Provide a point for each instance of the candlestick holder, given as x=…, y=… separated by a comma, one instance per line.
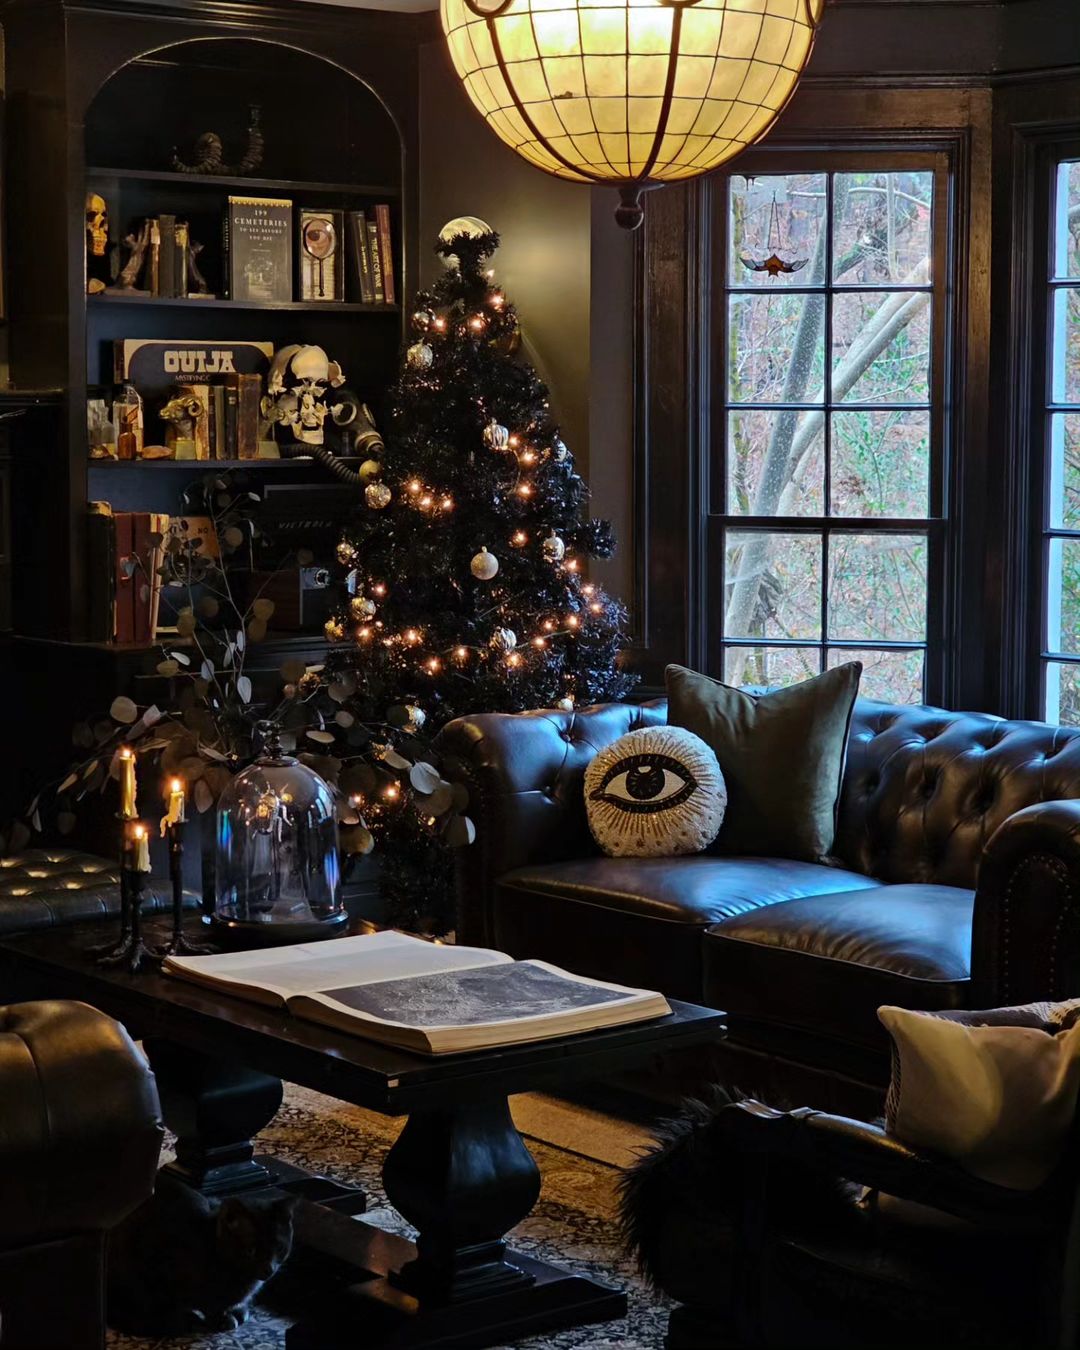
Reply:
x=132, y=951
x=104, y=953
x=178, y=944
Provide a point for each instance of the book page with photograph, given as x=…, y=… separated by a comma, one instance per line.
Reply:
x=273, y=976
x=473, y=1008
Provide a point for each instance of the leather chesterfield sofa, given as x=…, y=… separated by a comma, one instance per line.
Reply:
x=80, y=1135
x=955, y=883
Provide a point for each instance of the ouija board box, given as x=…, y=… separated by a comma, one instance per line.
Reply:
x=154, y=366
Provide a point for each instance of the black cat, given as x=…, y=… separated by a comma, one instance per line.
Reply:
x=182, y=1263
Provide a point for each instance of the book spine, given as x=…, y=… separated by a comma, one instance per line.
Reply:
x=125, y=579
x=142, y=548
x=159, y=524
x=219, y=448
x=386, y=252
x=167, y=258
x=226, y=251
x=247, y=416
x=155, y=257
x=376, y=262
x=101, y=569
x=182, y=240
x=361, y=257
x=232, y=408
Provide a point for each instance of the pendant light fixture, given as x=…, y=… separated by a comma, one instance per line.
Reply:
x=632, y=93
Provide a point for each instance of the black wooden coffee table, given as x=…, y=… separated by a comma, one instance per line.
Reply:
x=459, y=1172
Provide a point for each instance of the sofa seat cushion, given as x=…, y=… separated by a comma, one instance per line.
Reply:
x=826, y=963
x=640, y=921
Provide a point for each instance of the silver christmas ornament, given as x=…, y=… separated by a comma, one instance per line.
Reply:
x=377, y=496
x=496, y=437
x=565, y=705
x=559, y=451
x=503, y=640
x=417, y=717
x=420, y=356
x=554, y=548
x=422, y=320
x=484, y=565
x=362, y=608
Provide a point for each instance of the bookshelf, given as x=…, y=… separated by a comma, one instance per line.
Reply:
x=97, y=95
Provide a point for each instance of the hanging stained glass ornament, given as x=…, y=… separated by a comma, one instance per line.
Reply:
x=774, y=264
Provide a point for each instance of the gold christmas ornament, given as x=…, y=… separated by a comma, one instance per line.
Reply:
x=484, y=565
x=377, y=496
x=633, y=93
x=420, y=356
x=362, y=608
x=369, y=470
x=334, y=631
x=346, y=554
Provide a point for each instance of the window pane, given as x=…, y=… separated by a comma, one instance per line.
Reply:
x=772, y=585
x=1067, y=220
x=877, y=587
x=771, y=667
x=1063, y=597
x=1065, y=471
x=777, y=217
x=881, y=347
x=776, y=463
x=881, y=464
x=1062, y=693
x=891, y=677
x=882, y=228
x=1066, y=354
x=776, y=348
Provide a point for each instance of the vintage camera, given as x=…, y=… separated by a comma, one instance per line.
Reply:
x=304, y=597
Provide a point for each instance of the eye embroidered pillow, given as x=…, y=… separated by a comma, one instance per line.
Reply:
x=655, y=793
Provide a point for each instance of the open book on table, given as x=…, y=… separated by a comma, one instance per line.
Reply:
x=421, y=995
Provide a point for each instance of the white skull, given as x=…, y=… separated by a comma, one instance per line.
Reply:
x=297, y=384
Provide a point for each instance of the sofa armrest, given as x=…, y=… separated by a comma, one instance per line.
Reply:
x=867, y=1155
x=524, y=775
x=80, y=1124
x=1025, y=942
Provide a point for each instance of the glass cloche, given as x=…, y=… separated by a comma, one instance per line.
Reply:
x=278, y=875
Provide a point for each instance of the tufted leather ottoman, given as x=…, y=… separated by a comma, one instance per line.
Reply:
x=41, y=887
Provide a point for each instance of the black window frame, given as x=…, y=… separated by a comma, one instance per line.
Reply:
x=936, y=525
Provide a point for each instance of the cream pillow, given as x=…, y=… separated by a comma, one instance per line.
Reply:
x=995, y=1091
x=655, y=793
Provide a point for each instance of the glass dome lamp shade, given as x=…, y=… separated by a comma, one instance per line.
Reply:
x=633, y=93
x=278, y=874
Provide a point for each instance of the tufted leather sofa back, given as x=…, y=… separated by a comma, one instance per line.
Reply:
x=925, y=789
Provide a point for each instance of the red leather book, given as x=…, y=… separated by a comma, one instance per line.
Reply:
x=125, y=578
x=142, y=525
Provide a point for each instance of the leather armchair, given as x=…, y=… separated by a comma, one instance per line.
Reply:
x=929, y=1253
x=80, y=1138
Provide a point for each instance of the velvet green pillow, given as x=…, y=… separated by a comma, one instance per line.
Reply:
x=781, y=754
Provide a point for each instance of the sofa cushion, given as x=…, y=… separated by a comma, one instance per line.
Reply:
x=826, y=963
x=640, y=921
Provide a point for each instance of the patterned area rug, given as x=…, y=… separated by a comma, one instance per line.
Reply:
x=573, y=1224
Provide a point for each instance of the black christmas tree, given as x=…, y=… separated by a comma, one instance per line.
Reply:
x=467, y=563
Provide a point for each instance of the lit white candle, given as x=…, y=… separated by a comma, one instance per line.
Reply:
x=126, y=761
x=140, y=848
x=174, y=814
